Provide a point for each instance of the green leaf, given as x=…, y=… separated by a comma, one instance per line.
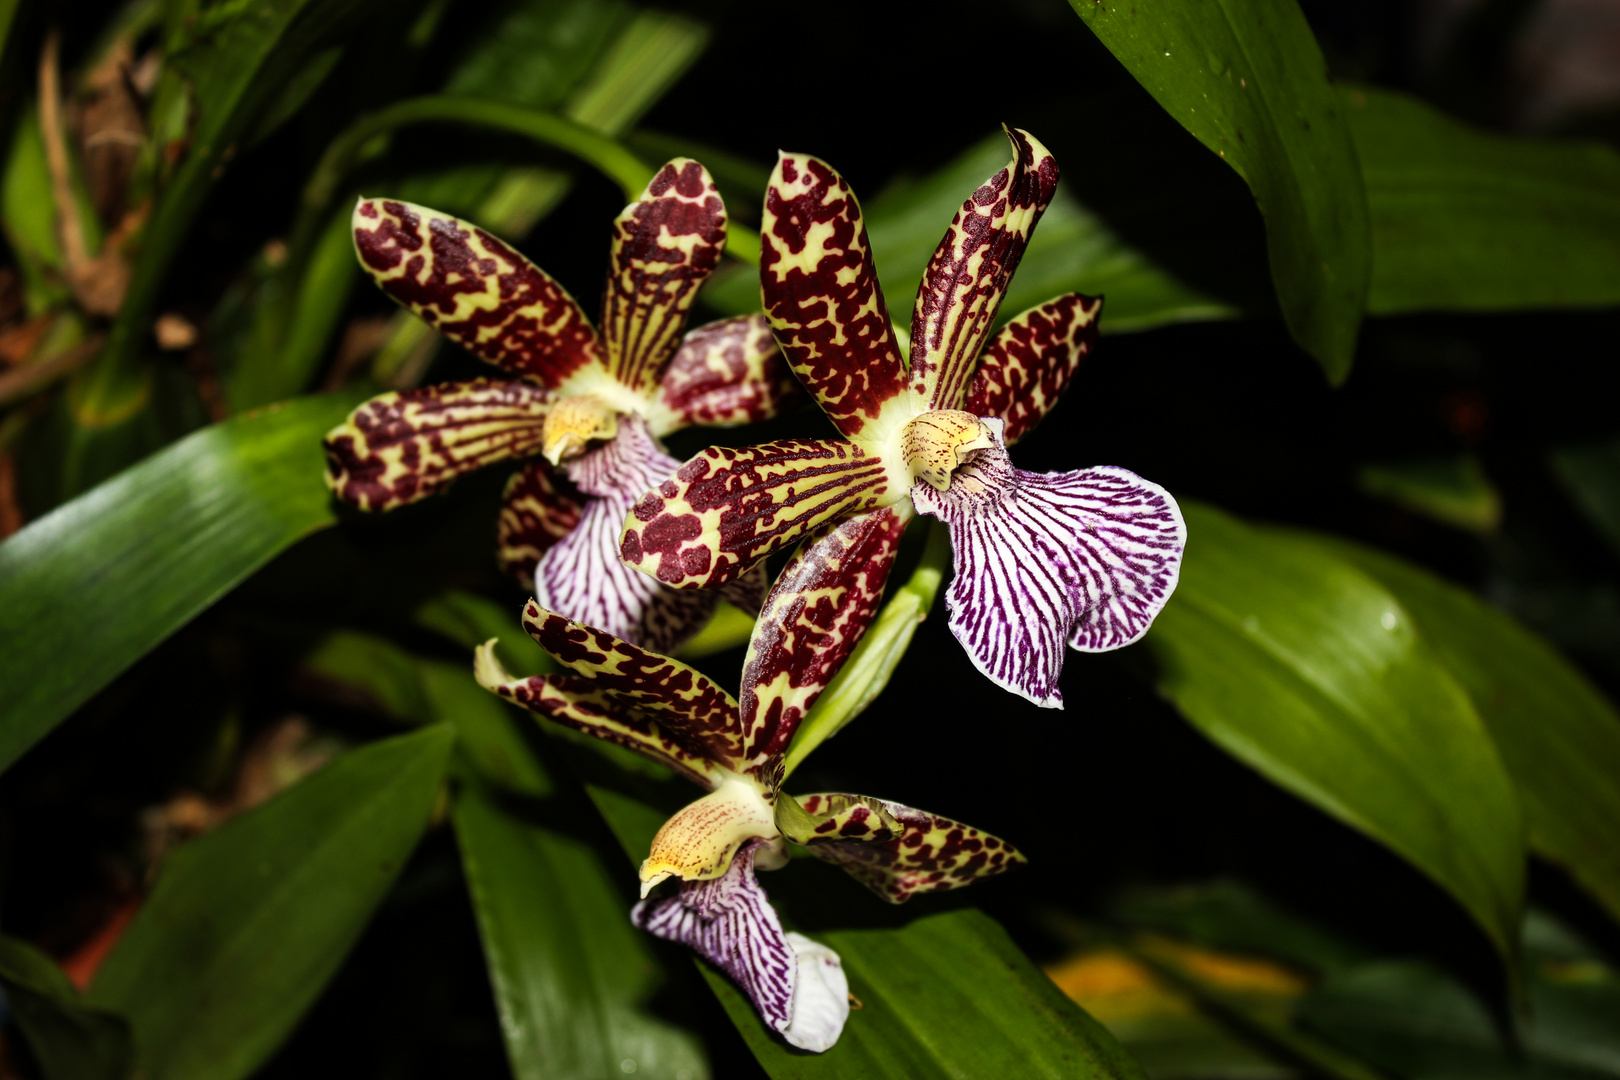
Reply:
x=573, y=979
x=1467, y=220
x=380, y=675
x=945, y=995
x=1452, y=489
x=470, y=620
x=93, y=586
x=247, y=923
x=1591, y=475
x=69, y=1040
x=1307, y=669
x=1557, y=734
x=1247, y=79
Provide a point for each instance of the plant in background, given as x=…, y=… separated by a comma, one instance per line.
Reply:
x=593, y=403
x=1087, y=558
x=672, y=714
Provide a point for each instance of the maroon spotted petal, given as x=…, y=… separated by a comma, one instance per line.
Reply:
x=475, y=289
x=821, y=605
x=690, y=707
x=968, y=276
x=725, y=510
x=820, y=291
x=726, y=373
x=664, y=245
x=930, y=853
x=401, y=447
x=1027, y=367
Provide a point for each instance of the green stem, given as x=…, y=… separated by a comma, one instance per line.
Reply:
x=871, y=665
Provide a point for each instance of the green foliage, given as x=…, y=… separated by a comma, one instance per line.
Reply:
x=68, y=1039
x=228, y=952
x=157, y=544
x=1307, y=669
x=1246, y=78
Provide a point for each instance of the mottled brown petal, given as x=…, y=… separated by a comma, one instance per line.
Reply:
x=474, y=289
x=820, y=291
x=687, y=705
x=664, y=245
x=970, y=271
x=538, y=508
x=574, y=701
x=401, y=447
x=1027, y=367
x=931, y=854
x=726, y=373
x=821, y=605
x=724, y=510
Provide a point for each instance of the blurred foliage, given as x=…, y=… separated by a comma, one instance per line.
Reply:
x=258, y=820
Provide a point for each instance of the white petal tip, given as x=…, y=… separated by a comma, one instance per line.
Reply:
x=821, y=998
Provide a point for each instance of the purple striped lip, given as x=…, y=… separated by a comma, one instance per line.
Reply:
x=797, y=986
x=1087, y=557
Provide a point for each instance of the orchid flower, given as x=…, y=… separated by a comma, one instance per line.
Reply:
x=1089, y=557
x=672, y=714
x=593, y=401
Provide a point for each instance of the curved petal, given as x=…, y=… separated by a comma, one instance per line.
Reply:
x=537, y=510
x=797, y=986
x=474, y=289
x=725, y=510
x=582, y=576
x=664, y=246
x=688, y=706
x=967, y=277
x=574, y=702
x=821, y=605
x=1089, y=556
x=404, y=446
x=725, y=373
x=929, y=853
x=1027, y=367
x=821, y=293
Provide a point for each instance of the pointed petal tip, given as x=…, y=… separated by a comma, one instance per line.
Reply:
x=487, y=668
x=649, y=882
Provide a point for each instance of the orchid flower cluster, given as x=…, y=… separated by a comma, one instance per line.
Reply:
x=1084, y=559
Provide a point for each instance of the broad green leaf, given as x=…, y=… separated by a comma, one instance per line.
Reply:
x=1557, y=734
x=1417, y=1021
x=469, y=620
x=1452, y=489
x=947, y=995
x=1467, y=220
x=68, y=1039
x=1246, y=78
x=1591, y=475
x=573, y=979
x=380, y=675
x=1310, y=671
x=91, y=587
x=247, y=923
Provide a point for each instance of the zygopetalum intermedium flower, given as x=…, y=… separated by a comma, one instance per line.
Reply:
x=593, y=400
x=671, y=713
x=1087, y=557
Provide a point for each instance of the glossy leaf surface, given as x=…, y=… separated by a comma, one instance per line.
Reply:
x=1247, y=79
x=247, y=923
x=156, y=544
x=1311, y=672
x=1557, y=734
x=1467, y=220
